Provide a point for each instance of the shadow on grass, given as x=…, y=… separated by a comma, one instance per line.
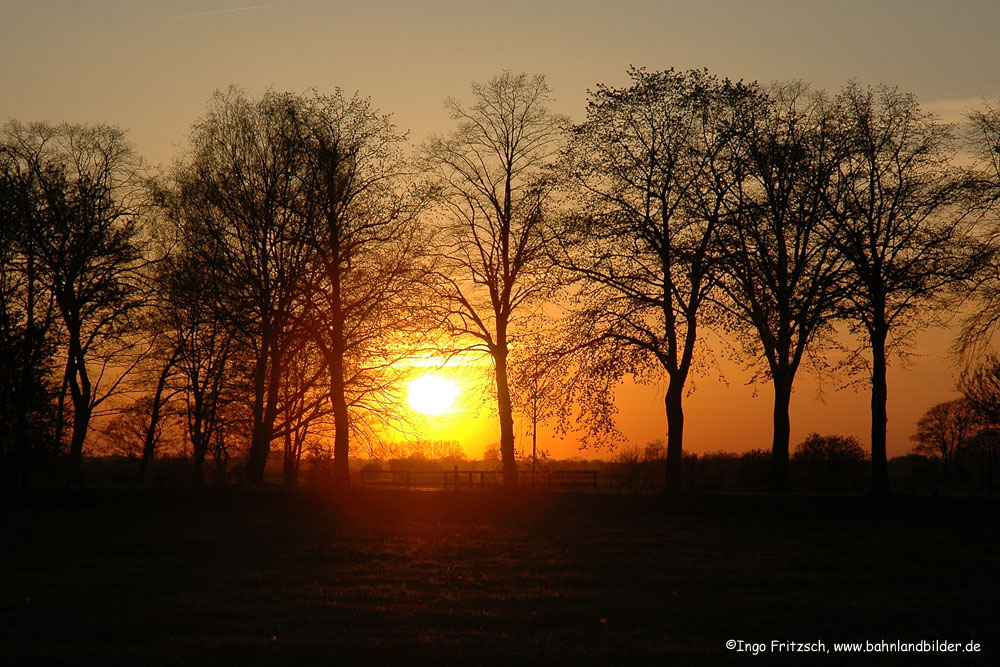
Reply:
x=263, y=576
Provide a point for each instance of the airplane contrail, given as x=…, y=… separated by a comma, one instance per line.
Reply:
x=219, y=11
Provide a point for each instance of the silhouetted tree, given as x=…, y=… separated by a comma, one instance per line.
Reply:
x=985, y=447
x=241, y=187
x=653, y=164
x=27, y=337
x=161, y=396
x=980, y=386
x=196, y=331
x=984, y=141
x=830, y=461
x=944, y=430
x=362, y=301
x=302, y=401
x=128, y=433
x=897, y=221
x=784, y=278
x=493, y=185
x=89, y=252
x=537, y=381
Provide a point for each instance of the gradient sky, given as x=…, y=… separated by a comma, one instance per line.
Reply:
x=150, y=67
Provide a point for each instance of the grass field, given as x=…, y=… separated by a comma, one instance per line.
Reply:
x=269, y=576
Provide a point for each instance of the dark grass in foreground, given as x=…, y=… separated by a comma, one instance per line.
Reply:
x=268, y=576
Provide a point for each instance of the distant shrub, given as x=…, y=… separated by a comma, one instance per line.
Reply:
x=319, y=473
x=830, y=463
x=654, y=451
x=755, y=469
x=372, y=464
x=626, y=470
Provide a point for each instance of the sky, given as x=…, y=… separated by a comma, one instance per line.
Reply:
x=151, y=66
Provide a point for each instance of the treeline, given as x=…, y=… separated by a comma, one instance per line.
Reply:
x=273, y=287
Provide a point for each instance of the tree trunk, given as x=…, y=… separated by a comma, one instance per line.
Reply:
x=22, y=437
x=80, y=391
x=880, y=392
x=506, y=414
x=259, y=441
x=534, y=443
x=782, y=431
x=199, y=439
x=338, y=390
x=81, y=422
x=199, y=451
x=264, y=431
x=149, y=446
x=260, y=447
x=291, y=469
x=675, y=434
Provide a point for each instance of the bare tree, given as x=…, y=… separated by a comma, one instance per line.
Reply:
x=157, y=404
x=980, y=386
x=944, y=430
x=89, y=250
x=537, y=381
x=241, y=184
x=194, y=323
x=784, y=278
x=363, y=298
x=983, y=137
x=28, y=336
x=654, y=166
x=897, y=220
x=302, y=401
x=493, y=185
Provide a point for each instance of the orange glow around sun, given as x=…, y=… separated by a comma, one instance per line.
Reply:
x=432, y=395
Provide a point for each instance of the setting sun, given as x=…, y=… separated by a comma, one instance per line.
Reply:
x=432, y=395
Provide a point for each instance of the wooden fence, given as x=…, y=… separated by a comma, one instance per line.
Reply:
x=475, y=479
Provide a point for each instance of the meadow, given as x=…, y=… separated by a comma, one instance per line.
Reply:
x=241, y=575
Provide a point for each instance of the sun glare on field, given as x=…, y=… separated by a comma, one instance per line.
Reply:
x=432, y=395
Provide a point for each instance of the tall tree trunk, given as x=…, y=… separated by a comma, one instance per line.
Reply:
x=199, y=448
x=80, y=391
x=506, y=414
x=149, y=446
x=260, y=446
x=675, y=433
x=880, y=393
x=338, y=389
x=259, y=441
x=291, y=468
x=534, y=443
x=81, y=422
x=61, y=406
x=782, y=381
x=22, y=437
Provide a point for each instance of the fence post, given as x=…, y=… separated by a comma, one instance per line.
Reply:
x=407, y=479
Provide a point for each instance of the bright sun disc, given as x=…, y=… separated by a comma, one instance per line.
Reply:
x=432, y=395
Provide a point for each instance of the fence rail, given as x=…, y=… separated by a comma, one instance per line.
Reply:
x=473, y=479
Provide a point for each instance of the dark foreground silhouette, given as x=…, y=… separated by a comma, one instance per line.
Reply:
x=271, y=576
